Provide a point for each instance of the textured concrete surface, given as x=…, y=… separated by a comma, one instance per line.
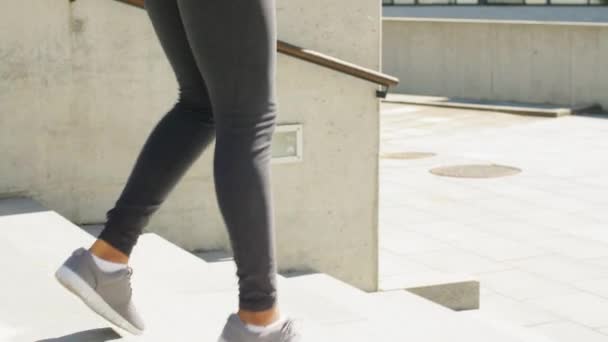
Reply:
x=184, y=298
x=545, y=63
x=546, y=110
x=536, y=241
x=83, y=83
x=540, y=14
x=453, y=291
x=459, y=296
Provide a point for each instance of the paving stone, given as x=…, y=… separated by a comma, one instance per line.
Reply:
x=560, y=268
x=574, y=247
x=565, y=331
x=406, y=243
x=603, y=331
x=392, y=264
x=7, y=332
x=601, y=262
x=498, y=248
x=521, y=285
x=446, y=231
x=517, y=229
x=503, y=308
x=456, y=260
x=583, y=308
x=595, y=286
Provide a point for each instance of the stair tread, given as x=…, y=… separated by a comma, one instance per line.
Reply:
x=184, y=298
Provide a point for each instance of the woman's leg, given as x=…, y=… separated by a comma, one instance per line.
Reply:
x=234, y=45
x=174, y=144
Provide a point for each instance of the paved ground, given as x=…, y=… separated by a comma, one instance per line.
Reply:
x=538, y=240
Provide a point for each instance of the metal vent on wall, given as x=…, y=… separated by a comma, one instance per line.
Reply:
x=287, y=144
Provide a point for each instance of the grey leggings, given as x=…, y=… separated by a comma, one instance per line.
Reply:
x=223, y=54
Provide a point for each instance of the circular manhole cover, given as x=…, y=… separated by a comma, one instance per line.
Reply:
x=406, y=155
x=475, y=171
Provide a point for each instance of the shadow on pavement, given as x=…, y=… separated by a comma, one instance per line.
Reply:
x=19, y=205
x=595, y=111
x=93, y=335
x=596, y=115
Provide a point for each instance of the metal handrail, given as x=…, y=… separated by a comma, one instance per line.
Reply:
x=323, y=60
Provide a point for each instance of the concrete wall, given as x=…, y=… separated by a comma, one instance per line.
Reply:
x=82, y=84
x=537, y=62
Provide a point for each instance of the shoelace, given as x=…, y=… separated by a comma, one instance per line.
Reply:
x=289, y=329
x=129, y=274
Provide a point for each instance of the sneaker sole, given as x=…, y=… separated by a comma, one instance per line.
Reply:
x=73, y=283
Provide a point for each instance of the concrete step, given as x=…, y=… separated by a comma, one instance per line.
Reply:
x=454, y=291
x=504, y=327
x=494, y=106
x=184, y=298
x=410, y=317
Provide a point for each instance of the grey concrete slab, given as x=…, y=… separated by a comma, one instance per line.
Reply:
x=584, y=308
x=498, y=307
x=565, y=331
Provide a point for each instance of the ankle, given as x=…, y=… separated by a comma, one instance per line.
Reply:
x=260, y=318
x=108, y=266
x=105, y=251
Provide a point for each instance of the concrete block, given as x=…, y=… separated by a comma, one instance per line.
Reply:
x=458, y=296
x=527, y=62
